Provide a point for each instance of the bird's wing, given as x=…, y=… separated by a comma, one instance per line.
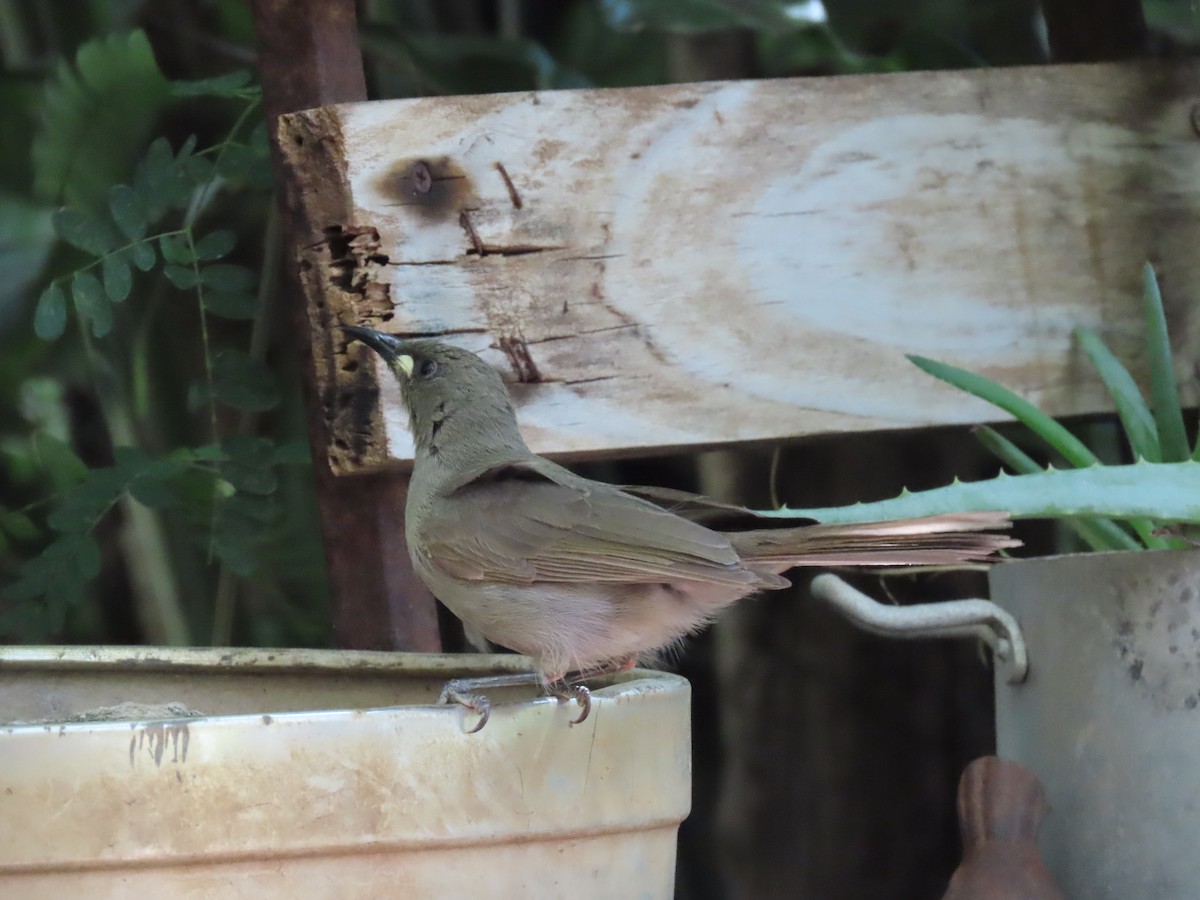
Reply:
x=529, y=520
x=712, y=513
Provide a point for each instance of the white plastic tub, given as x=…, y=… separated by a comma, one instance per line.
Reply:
x=313, y=774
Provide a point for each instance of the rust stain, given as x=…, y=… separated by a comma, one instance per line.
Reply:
x=519, y=357
x=464, y=219
x=156, y=736
x=436, y=187
x=508, y=183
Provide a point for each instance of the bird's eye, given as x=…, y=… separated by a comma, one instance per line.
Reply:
x=427, y=368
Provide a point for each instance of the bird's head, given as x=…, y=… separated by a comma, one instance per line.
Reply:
x=455, y=400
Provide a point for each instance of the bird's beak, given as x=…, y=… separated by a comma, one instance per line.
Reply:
x=390, y=348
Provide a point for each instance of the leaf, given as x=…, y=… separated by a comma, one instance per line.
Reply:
x=231, y=306
x=231, y=84
x=1054, y=434
x=127, y=211
x=175, y=249
x=243, y=382
x=153, y=491
x=154, y=173
x=207, y=453
x=96, y=115
x=228, y=278
x=59, y=460
x=215, y=244
x=84, y=504
x=248, y=466
x=162, y=181
x=60, y=573
x=1164, y=394
x=91, y=303
x=235, y=162
x=1098, y=533
x=293, y=453
x=26, y=240
x=50, y=317
x=143, y=255
x=200, y=170
x=183, y=277
x=129, y=460
x=118, y=281
x=186, y=149
x=1168, y=492
x=1131, y=406
x=17, y=525
x=85, y=231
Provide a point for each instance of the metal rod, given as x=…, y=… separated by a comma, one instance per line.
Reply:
x=972, y=618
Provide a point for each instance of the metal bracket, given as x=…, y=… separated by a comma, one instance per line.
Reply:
x=974, y=618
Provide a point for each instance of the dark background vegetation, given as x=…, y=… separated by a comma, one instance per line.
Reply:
x=155, y=485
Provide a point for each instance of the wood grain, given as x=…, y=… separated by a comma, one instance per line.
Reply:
x=711, y=263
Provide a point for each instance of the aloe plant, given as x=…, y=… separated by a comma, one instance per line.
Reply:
x=1111, y=507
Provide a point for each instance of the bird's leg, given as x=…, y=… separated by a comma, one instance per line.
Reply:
x=466, y=692
x=569, y=686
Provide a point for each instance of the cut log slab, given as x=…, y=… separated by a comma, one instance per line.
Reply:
x=702, y=264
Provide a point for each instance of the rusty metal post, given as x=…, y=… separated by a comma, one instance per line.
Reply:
x=308, y=56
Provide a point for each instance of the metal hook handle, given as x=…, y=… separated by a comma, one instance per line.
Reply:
x=975, y=618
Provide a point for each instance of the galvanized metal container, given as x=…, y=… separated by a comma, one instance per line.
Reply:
x=1109, y=717
x=138, y=772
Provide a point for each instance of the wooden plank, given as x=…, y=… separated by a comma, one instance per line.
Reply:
x=748, y=261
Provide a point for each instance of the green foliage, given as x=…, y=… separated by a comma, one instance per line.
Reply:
x=26, y=240
x=1168, y=414
x=148, y=247
x=96, y=114
x=1162, y=488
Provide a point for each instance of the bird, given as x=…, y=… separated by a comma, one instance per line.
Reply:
x=586, y=577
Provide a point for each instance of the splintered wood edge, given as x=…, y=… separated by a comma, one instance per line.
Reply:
x=333, y=259
x=581, y=241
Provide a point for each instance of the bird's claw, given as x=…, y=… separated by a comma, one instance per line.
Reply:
x=455, y=692
x=577, y=692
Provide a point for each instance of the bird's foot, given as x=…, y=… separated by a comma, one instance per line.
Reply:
x=564, y=690
x=570, y=686
x=468, y=692
x=460, y=691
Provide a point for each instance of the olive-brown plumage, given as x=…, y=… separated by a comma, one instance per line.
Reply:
x=579, y=574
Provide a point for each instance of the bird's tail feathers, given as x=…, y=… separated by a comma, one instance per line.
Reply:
x=943, y=540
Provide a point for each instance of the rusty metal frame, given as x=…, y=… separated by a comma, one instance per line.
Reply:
x=309, y=55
